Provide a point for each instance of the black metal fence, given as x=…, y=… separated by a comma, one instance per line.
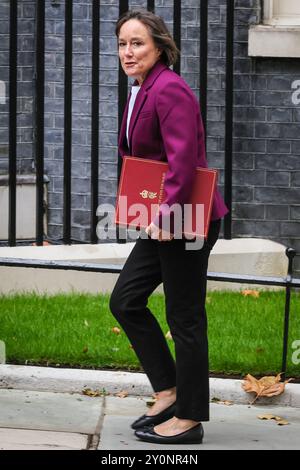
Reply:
x=95, y=116
x=287, y=282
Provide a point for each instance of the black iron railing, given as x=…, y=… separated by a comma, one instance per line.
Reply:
x=95, y=115
x=12, y=153
x=287, y=282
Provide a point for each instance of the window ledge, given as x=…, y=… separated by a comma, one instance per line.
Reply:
x=274, y=41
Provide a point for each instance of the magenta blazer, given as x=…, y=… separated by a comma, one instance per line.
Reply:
x=166, y=125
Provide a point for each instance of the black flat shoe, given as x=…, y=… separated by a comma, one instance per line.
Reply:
x=191, y=436
x=144, y=421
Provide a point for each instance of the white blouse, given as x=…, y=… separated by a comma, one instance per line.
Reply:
x=134, y=91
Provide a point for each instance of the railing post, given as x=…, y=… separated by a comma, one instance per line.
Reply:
x=12, y=126
x=40, y=114
x=177, y=32
x=203, y=62
x=122, y=99
x=68, y=122
x=95, y=121
x=229, y=116
x=290, y=253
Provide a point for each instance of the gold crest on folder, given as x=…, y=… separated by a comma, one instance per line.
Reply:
x=148, y=194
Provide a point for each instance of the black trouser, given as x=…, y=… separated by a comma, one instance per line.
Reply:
x=183, y=273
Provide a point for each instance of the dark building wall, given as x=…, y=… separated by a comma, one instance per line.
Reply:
x=266, y=139
x=25, y=75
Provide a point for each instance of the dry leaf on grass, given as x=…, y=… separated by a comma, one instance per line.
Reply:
x=116, y=330
x=168, y=335
x=252, y=293
x=280, y=421
x=264, y=387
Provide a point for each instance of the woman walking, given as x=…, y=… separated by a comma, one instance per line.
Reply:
x=162, y=121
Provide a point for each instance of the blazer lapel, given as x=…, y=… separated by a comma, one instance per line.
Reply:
x=123, y=147
x=139, y=101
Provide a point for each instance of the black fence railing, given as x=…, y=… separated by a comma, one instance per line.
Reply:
x=12, y=126
x=95, y=115
x=287, y=282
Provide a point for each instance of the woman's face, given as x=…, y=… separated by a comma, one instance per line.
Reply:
x=137, y=50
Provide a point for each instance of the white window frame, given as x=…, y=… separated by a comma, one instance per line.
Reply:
x=278, y=35
x=271, y=15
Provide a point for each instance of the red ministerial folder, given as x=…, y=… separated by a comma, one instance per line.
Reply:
x=141, y=191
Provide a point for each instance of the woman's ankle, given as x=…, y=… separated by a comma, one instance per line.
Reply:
x=162, y=402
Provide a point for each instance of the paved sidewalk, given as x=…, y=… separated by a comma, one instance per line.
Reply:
x=47, y=420
x=61, y=417
x=64, y=421
x=231, y=427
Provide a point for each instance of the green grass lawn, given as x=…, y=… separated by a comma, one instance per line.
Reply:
x=245, y=333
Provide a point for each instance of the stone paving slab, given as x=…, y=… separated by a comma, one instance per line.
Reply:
x=48, y=420
x=49, y=411
x=27, y=439
x=231, y=427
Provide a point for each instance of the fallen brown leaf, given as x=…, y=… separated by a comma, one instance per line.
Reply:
x=116, y=330
x=280, y=421
x=267, y=417
x=222, y=402
x=252, y=293
x=215, y=400
x=265, y=387
x=121, y=394
x=92, y=393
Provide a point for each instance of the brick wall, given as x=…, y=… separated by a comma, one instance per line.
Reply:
x=25, y=75
x=266, y=160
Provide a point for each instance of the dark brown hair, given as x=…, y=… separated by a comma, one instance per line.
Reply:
x=157, y=29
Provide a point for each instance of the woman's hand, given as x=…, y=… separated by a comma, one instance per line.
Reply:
x=157, y=233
